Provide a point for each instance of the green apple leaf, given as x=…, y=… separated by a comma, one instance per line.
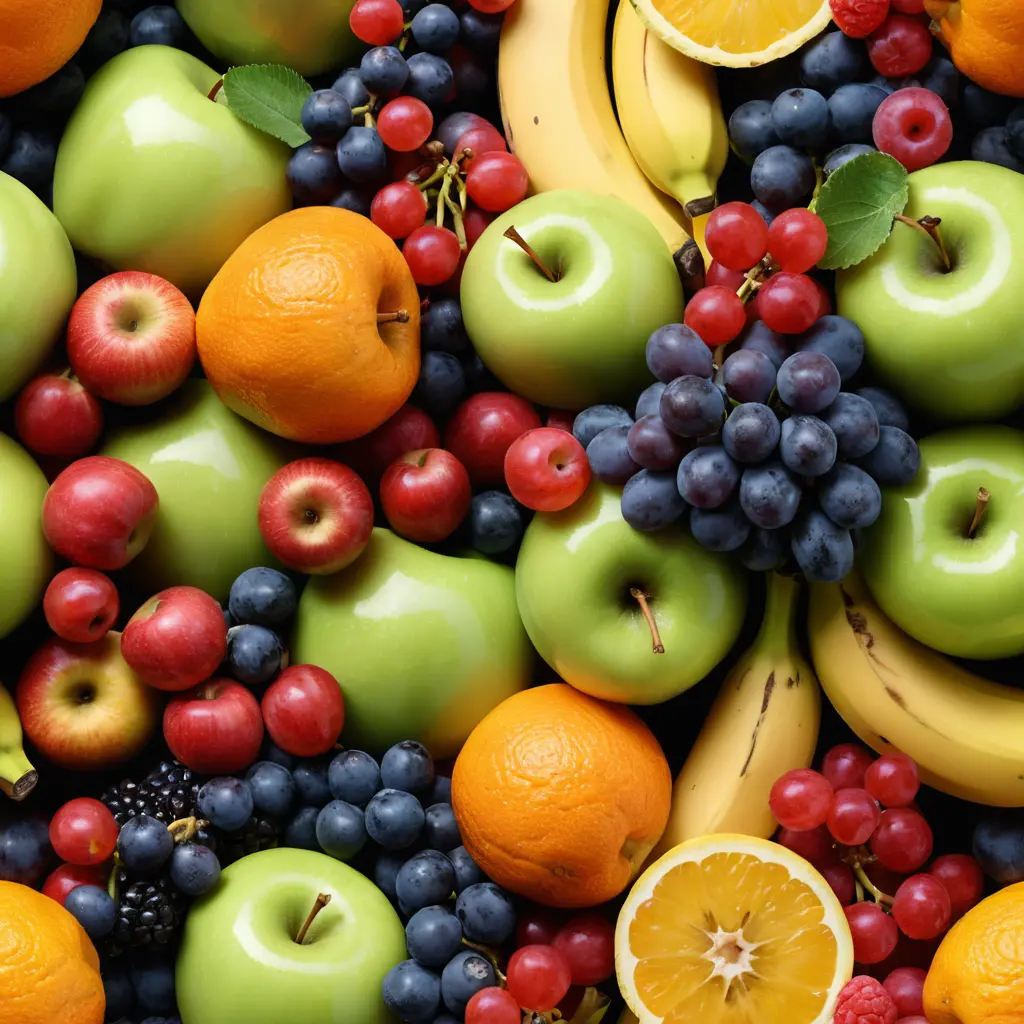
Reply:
x=269, y=97
x=859, y=203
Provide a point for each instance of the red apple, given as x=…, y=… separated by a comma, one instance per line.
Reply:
x=315, y=515
x=425, y=495
x=304, y=711
x=132, y=338
x=54, y=415
x=481, y=430
x=561, y=419
x=68, y=877
x=546, y=469
x=176, y=639
x=82, y=707
x=215, y=729
x=99, y=512
x=408, y=430
x=80, y=605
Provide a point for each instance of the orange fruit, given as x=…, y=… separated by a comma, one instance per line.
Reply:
x=49, y=970
x=37, y=37
x=560, y=797
x=985, y=38
x=293, y=332
x=977, y=974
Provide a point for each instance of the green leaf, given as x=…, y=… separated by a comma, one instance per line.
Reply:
x=269, y=97
x=858, y=204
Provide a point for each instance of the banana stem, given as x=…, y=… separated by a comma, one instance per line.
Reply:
x=778, y=627
x=321, y=901
x=641, y=599
x=979, y=510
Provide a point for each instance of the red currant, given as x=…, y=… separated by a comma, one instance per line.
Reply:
x=892, y=780
x=903, y=840
x=859, y=18
x=83, y=832
x=588, y=942
x=873, y=931
x=491, y=7
x=788, y=303
x=432, y=254
x=398, y=209
x=405, y=124
x=479, y=140
x=815, y=844
x=853, y=817
x=493, y=1006
x=801, y=799
x=840, y=878
x=899, y=47
x=496, y=181
x=717, y=275
x=922, y=907
x=546, y=470
x=963, y=878
x=538, y=977
x=474, y=222
x=377, y=22
x=736, y=236
x=908, y=7
x=80, y=605
x=905, y=986
x=914, y=126
x=797, y=239
x=716, y=314
x=845, y=765
x=537, y=926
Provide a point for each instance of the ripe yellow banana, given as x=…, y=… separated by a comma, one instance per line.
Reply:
x=763, y=723
x=17, y=776
x=965, y=733
x=558, y=113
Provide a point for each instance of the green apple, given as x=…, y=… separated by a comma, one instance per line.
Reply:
x=580, y=339
x=423, y=644
x=152, y=175
x=26, y=562
x=239, y=962
x=574, y=580
x=312, y=37
x=953, y=590
x=950, y=343
x=38, y=283
x=209, y=467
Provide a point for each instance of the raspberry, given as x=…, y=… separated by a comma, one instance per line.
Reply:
x=864, y=1001
x=859, y=18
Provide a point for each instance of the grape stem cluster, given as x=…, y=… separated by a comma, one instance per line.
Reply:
x=445, y=175
x=856, y=858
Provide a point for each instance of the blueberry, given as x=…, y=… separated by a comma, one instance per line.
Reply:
x=154, y=987
x=227, y=803
x=941, y=76
x=441, y=327
x=1014, y=133
x=272, y=752
x=407, y=766
x=843, y=155
x=195, y=869
x=385, y=873
x=349, y=85
x=441, y=385
x=159, y=25
x=254, y=654
x=592, y=420
x=440, y=830
x=353, y=199
x=53, y=98
x=441, y=793
x=383, y=71
x=649, y=402
x=999, y=845
x=989, y=146
x=782, y=177
x=831, y=61
x=311, y=783
x=362, y=156
x=481, y=32
x=93, y=909
x=495, y=522
x=394, y=819
x=435, y=28
x=273, y=788
x=31, y=159
x=263, y=597
x=5, y=134
x=751, y=131
x=486, y=913
x=120, y=996
x=464, y=975
x=467, y=872
x=107, y=38
x=411, y=992
x=478, y=377
x=353, y=776
x=340, y=830
x=144, y=844
x=25, y=851
x=300, y=832
x=852, y=108
x=427, y=878
x=313, y=173
x=433, y=936
x=410, y=7
x=801, y=118
x=986, y=109
x=430, y=78
x=326, y=114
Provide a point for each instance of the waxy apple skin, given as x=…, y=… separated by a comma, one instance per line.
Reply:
x=959, y=595
x=573, y=579
x=239, y=963
x=950, y=344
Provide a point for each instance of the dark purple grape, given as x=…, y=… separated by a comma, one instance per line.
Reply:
x=888, y=408
x=649, y=402
x=749, y=376
x=769, y=495
x=692, y=407
x=652, y=445
x=651, y=501
x=839, y=339
x=609, y=458
x=761, y=338
x=808, y=446
x=765, y=550
x=895, y=460
x=823, y=550
x=751, y=433
x=719, y=529
x=707, y=477
x=849, y=497
x=854, y=422
x=589, y=423
x=677, y=351
x=808, y=382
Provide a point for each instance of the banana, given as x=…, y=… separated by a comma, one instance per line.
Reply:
x=17, y=776
x=763, y=723
x=965, y=733
x=557, y=109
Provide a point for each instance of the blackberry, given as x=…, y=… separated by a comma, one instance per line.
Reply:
x=149, y=913
x=259, y=833
x=167, y=793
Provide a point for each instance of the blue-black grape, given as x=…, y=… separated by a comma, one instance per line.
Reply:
x=888, y=408
x=678, y=351
x=464, y=976
x=442, y=328
x=120, y=996
x=5, y=133
x=487, y=914
x=720, y=529
x=383, y=70
x=801, y=118
x=839, y=339
x=195, y=869
x=354, y=776
x=989, y=146
x=852, y=110
x=355, y=200
x=808, y=446
x=433, y=936
x=595, y=418
x=350, y=85
x=749, y=376
x=940, y=76
x=854, y=421
x=999, y=845
x=362, y=156
x=263, y=596
x=895, y=460
x=93, y=909
x=440, y=829
x=823, y=550
x=300, y=832
x=467, y=872
x=843, y=155
x=411, y=992
x=832, y=60
x=435, y=28
x=430, y=78
x=25, y=851
x=341, y=830
x=769, y=495
x=158, y=25
x=407, y=766
x=651, y=501
x=761, y=338
x=707, y=477
x=311, y=785
x=425, y=879
x=440, y=792
x=227, y=803
x=495, y=522
x=1014, y=133
x=765, y=550
x=751, y=433
x=652, y=445
x=609, y=458
x=986, y=109
x=31, y=158
x=144, y=844
x=751, y=131
x=153, y=981
x=849, y=497
x=692, y=407
x=808, y=382
x=272, y=787
x=782, y=177
x=766, y=215
x=480, y=31
x=649, y=402
x=394, y=819
x=326, y=114
x=255, y=654
x=385, y=872
x=52, y=100
x=441, y=384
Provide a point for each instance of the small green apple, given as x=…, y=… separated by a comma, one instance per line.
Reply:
x=578, y=340
x=153, y=175
x=574, y=580
x=26, y=561
x=312, y=37
x=38, y=283
x=423, y=644
x=955, y=591
x=209, y=467
x=950, y=343
x=239, y=962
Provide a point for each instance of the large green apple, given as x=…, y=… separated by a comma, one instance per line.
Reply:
x=209, y=467
x=578, y=340
x=152, y=175
x=239, y=962
x=574, y=577
x=954, y=591
x=423, y=645
x=25, y=558
x=312, y=36
x=38, y=283
x=950, y=343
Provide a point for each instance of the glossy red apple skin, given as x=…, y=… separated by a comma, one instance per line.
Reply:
x=304, y=711
x=176, y=640
x=55, y=416
x=100, y=512
x=82, y=707
x=80, y=605
x=132, y=338
x=316, y=515
x=408, y=430
x=426, y=495
x=215, y=729
x=481, y=430
x=62, y=881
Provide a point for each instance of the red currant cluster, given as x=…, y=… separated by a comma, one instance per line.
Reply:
x=856, y=821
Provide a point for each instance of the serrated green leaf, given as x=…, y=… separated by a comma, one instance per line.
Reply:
x=269, y=97
x=858, y=204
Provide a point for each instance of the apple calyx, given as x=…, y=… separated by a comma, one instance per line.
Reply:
x=981, y=503
x=399, y=316
x=321, y=901
x=641, y=599
x=513, y=235
x=929, y=226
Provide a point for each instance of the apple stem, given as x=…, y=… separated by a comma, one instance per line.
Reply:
x=929, y=226
x=979, y=510
x=641, y=599
x=400, y=316
x=321, y=901
x=217, y=86
x=514, y=236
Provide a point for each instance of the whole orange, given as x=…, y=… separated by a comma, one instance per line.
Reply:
x=985, y=38
x=311, y=328
x=560, y=796
x=39, y=36
x=49, y=970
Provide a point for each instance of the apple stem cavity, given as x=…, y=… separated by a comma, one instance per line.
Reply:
x=641, y=599
x=399, y=316
x=321, y=901
x=929, y=227
x=981, y=503
x=514, y=236
x=217, y=86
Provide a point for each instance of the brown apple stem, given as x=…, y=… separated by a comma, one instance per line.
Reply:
x=321, y=901
x=929, y=226
x=217, y=86
x=514, y=236
x=979, y=510
x=400, y=316
x=641, y=599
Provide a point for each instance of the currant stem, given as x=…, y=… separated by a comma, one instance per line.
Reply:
x=981, y=504
x=513, y=235
x=321, y=901
x=929, y=226
x=641, y=599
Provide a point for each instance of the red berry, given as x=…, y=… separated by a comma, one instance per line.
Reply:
x=55, y=415
x=537, y=926
x=864, y=1001
x=903, y=840
x=736, y=236
x=398, y=209
x=482, y=429
x=873, y=931
x=80, y=605
x=914, y=126
x=546, y=469
x=963, y=878
x=800, y=799
x=906, y=985
x=815, y=845
x=588, y=942
x=853, y=817
x=840, y=877
x=496, y=181
x=68, y=877
x=83, y=832
x=491, y=7
x=845, y=765
x=432, y=253
x=377, y=22
x=483, y=138
x=716, y=314
x=493, y=1006
x=797, y=239
x=475, y=222
x=892, y=780
x=900, y=46
x=908, y=6
x=538, y=977
x=922, y=907
x=859, y=18
x=723, y=276
x=788, y=303
x=405, y=124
